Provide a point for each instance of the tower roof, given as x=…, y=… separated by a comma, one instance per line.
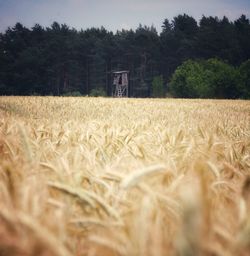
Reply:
x=120, y=72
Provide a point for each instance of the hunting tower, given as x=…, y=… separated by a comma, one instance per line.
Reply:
x=120, y=83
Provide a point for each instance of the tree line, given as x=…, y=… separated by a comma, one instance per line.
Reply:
x=60, y=60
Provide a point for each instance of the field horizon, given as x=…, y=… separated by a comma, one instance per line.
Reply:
x=106, y=176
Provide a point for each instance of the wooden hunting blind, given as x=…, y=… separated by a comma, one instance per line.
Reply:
x=120, y=83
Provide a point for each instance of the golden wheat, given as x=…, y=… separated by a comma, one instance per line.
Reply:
x=136, y=177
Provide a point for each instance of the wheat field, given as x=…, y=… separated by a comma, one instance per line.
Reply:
x=130, y=177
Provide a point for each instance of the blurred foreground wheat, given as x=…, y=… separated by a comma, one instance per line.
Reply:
x=95, y=176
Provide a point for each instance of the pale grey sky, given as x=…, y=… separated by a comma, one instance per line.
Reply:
x=113, y=14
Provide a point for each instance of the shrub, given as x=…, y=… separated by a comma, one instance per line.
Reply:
x=157, y=87
x=98, y=92
x=73, y=94
x=244, y=71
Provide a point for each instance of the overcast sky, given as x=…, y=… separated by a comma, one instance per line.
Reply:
x=113, y=14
